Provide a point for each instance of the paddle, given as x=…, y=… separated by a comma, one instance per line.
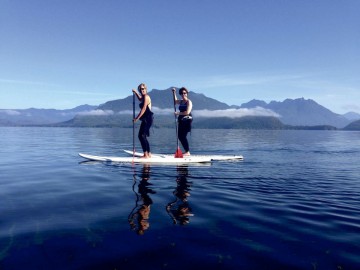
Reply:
x=178, y=153
x=133, y=125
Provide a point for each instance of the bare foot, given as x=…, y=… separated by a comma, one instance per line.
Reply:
x=186, y=154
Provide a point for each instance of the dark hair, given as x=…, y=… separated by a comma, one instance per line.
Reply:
x=183, y=89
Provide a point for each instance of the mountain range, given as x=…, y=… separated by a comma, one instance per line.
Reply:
x=32, y=116
x=208, y=113
x=301, y=112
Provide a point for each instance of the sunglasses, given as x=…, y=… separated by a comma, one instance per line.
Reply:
x=142, y=89
x=183, y=93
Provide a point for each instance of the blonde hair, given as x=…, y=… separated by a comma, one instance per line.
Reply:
x=139, y=87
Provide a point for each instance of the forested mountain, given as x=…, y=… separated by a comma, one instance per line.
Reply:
x=352, y=116
x=163, y=99
x=32, y=116
x=207, y=112
x=353, y=126
x=301, y=112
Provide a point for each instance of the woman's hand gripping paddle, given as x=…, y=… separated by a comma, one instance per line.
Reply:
x=178, y=153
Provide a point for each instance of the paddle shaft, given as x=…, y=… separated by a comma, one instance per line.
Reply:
x=133, y=123
x=176, y=127
x=178, y=153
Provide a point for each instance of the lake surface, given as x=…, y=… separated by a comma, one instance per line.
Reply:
x=293, y=203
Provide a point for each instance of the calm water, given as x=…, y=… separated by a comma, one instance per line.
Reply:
x=293, y=203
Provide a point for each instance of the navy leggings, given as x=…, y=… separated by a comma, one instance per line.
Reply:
x=143, y=134
x=183, y=131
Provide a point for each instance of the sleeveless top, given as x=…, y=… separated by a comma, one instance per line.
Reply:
x=183, y=108
x=147, y=114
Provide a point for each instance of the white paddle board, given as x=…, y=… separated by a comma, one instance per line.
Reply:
x=153, y=159
x=211, y=157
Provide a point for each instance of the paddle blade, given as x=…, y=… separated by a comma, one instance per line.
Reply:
x=178, y=153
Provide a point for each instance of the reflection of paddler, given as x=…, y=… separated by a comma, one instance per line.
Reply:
x=139, y=220
x=145, y=172
x=180, y=210
x=143, y=218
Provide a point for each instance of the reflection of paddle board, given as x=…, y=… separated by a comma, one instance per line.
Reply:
x=211, y=157
x=153, y=159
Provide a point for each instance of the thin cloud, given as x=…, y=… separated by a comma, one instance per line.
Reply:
x=231, y=113
x=10, y=112
x=125, y=112
x=236, y=113
x=155, y=110
x=97, y=113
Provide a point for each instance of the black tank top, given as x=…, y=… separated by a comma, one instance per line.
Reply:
x=183, y=108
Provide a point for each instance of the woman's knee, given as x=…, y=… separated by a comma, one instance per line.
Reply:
x=182, y=135
x=142, y=136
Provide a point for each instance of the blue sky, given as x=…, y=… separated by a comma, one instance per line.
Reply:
x=64, y=53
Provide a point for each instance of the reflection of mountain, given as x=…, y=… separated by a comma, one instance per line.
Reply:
x=179, y=209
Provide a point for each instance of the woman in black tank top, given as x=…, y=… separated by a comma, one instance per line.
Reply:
x=146, y=117
x=184, y=117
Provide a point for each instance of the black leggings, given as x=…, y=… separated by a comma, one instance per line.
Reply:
x=183, y=131
x=143, y=134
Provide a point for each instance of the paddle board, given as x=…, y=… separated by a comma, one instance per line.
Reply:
x=153, y=159
x=211, y=157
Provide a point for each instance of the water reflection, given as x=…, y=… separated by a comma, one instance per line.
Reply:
x=179, y=209
x=139, y=216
